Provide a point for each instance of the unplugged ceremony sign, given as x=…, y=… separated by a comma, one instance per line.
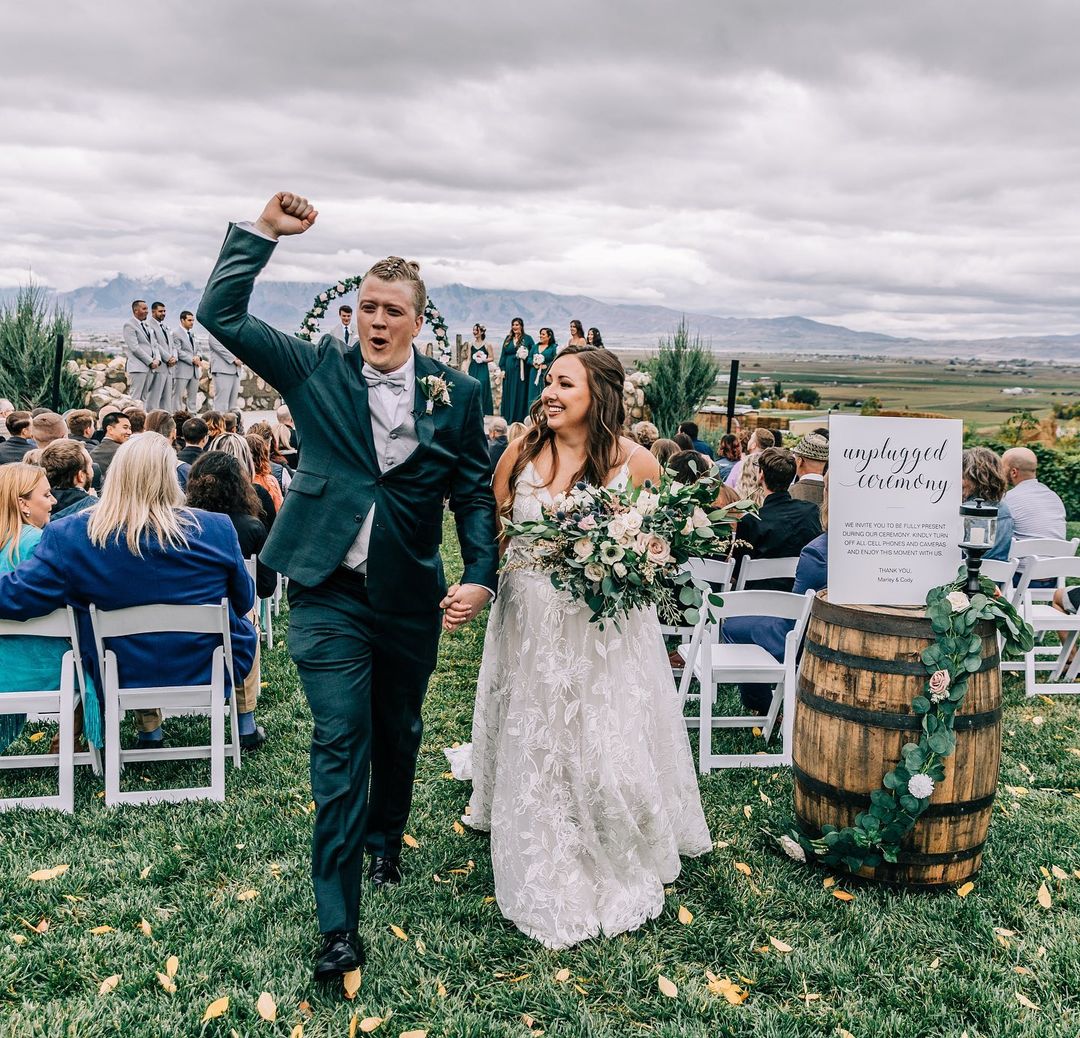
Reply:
x=894, y=508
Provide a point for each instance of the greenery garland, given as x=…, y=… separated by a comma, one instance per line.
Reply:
x=310, y=324
x=956, y=654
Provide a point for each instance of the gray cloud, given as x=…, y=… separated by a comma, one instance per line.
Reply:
x=908, y=169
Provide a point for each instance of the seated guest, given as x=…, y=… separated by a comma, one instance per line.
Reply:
x=80, y=426
x=137, y=417
x=217, y=484
x=286, y=438
x=231, y=421
x=18, y=441
x=811, y=574
x=757, y=441
x=263, y=476
x=196, y=436
x=497, y=440
x=161, y=421
x=117, y=426
x=140, y=546
x=179, y=417
x=784, y=526
x=983, y=480
x=663, y=451
x=697, y=444
x=278, y=469
x=683, y=442
x=6, y=408
x=689, y=466
x=749, y=487
x=514, y=430
x=71, y=475
x=811, y=457
x=1036, y=510
x=230, y=443
x=28, y=664
x=730, y=453
x=645, y=433
x=47, y=427
x=215, y=423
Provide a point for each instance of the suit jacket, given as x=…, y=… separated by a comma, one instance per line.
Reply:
x=782, y=529
x=67, y=569
x=339, y=477
x=337, y=330
x=15, y=448
x=812, y=490
x=138, y=345
x=221, y=358
x=102, y=454
x=184, y=351
x=162, y=347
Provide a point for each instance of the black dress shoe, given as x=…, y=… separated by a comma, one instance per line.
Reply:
x=342, y=952
x=253, y=740
x=384, y=872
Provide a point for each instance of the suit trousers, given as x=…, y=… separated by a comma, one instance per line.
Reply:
x=365, y=673
x=226, y=390
x=185, y=387
x=157, y=389
x=137, y=384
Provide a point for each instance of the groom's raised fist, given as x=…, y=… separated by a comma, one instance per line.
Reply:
x=286, y=213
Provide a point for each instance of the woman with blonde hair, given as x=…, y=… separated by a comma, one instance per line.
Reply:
x=514, y=430
x=982, y=478
x=749, y=486
x=141, y=546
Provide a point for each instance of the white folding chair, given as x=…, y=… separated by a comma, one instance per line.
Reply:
x=715, y=663
x=714, y=576
x=263, y=606
x=1001, y=573
x=279, y=592
x=765, y=569
x=1025, y=549
x=207, y=699
x=1036, y=606
x=59, y=700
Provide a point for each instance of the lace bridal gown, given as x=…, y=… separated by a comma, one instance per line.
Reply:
x=581, y=763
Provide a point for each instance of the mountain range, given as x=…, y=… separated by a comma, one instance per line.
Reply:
x=101, y=310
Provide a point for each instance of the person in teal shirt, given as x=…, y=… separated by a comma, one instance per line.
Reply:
x=479, y=358
x=29, y=664
x=516, y=361
x=541, y=359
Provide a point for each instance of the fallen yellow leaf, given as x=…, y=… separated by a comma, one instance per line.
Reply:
x=409, y=841
x=562, y=976
x=42, y=926
x=369, y=1023
x=146, y=928
x=1045, y=871
x=44, y=874
x=266, y=1007
x=780, y=946
x=219, y=1007
x=167, y=983
x=1026, y=1002
x=247, y=895
x=421, y=948
x=741, y=866
x=843, y=895
x=458, y=828
x=101, y=929
x=726, y=988
x=172, y=964
x=297, y=1031
x=966, y=889
x=441, y=990
x=1023, y=971
x=108, y=984
x=305, y=1008
x=413, y=1034
x=1044, y=896
x=18, y=938
x=351, y=982
x=843, y=1033
x=275, y=870
x=667, y=987
x=686, y=917
x=37, y=736
x=145, y=872
x=353, y=1021
x=935, y=964
x=747, y=811
x=397, y=931
x=1059, y=872
x=580, y=990
x=828, y=881
x=73, y=898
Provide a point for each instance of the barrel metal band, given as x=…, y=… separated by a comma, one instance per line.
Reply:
x=910, y=668
x=889, y=720
x=862, y=800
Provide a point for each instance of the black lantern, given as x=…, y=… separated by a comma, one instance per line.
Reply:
x=980, y=532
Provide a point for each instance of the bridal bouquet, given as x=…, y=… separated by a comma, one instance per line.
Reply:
x=617, y=550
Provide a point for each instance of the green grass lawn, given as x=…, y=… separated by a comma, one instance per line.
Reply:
x=884, y=964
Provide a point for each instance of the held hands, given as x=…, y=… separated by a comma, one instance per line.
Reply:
x=286, y=214
x=463, y=603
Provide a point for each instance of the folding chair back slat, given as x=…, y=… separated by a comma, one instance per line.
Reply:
x=765, y=569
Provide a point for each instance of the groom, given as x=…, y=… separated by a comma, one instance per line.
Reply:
x=358, y=537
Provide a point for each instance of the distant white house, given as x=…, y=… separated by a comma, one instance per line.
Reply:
x=1013, y=391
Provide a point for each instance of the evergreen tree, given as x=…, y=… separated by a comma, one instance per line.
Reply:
x=28, y=331
x=683, y=374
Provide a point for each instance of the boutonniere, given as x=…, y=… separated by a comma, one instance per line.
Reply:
x=437, y=392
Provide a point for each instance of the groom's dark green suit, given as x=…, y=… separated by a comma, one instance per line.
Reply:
x=365, y=646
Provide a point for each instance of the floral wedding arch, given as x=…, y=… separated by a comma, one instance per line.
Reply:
x=310, y=325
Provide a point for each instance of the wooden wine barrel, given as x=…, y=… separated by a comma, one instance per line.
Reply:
x=860, y=670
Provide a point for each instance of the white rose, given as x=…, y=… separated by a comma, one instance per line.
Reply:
x=647, y=503
x=617, y=528
x=792, y=848
x=633, y=520
x=323, y=297
x=958, y=600
x=522, y=352
x=340, y=287
x=583, y=547
x=619, y=570
x=700, y=519
x=594, y=571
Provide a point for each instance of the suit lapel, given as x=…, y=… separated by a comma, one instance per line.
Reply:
x=425, y=423
x=359, y=398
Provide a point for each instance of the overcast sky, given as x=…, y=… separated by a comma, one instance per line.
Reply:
x=910, y=168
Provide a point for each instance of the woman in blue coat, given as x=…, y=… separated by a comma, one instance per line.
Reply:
x=140, y=546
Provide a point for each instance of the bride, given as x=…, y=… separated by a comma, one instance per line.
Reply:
x=581, y=762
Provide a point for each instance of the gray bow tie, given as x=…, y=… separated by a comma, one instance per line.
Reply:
x=394, y=381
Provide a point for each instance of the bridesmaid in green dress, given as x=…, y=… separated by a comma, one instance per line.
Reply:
x=545, y=354
x=517, y=365
x=478, y=367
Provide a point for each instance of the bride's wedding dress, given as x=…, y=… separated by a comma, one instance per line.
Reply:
x=581, y=762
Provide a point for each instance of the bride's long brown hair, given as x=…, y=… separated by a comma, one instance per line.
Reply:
x=606, y=418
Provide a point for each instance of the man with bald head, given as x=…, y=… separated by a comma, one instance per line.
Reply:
x=1036, y=510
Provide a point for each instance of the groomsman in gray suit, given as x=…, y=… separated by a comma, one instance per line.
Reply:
x=225, y=368
x=185, y=374
x=342, y=331
x=139, y=350
x=158, y=389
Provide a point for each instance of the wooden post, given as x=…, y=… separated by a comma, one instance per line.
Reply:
x=732, y=392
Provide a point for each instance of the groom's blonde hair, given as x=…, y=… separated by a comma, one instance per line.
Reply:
x=394, y=268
